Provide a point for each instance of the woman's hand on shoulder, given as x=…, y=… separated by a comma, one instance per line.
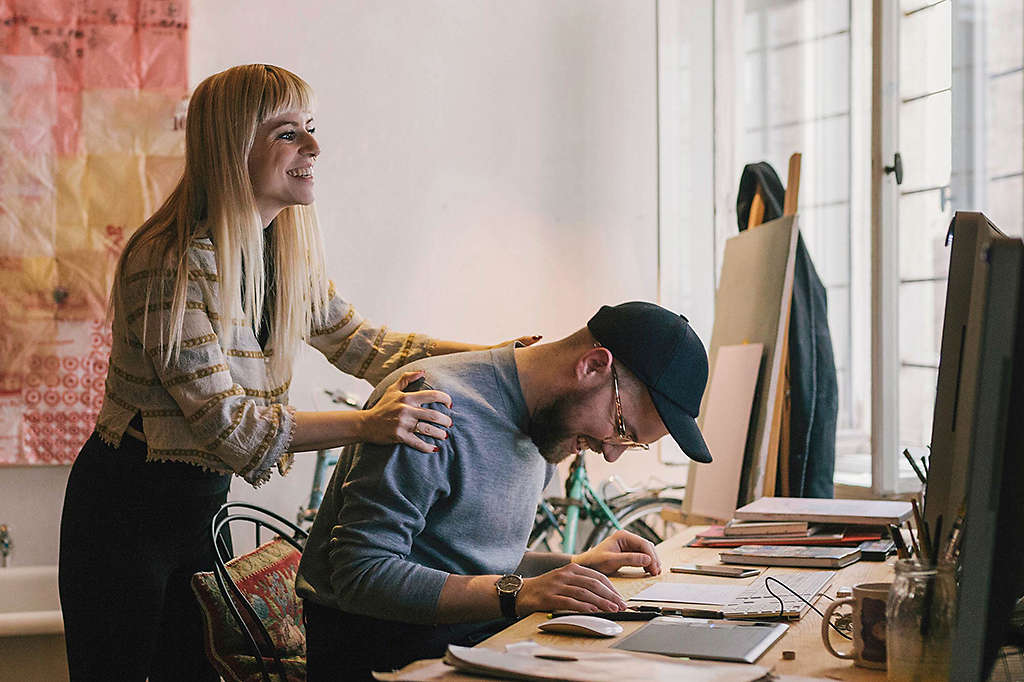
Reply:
x=400, y=417
x=522, y=340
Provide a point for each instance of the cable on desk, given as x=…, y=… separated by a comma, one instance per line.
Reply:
x=782, y=605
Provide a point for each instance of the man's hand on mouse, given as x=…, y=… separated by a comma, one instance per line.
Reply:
x=618, y=550
x=571, y=588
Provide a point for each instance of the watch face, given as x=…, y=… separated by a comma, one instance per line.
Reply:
x=509, y=583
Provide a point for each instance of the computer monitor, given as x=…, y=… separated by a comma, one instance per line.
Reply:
x=992, y=553
x=952, y=426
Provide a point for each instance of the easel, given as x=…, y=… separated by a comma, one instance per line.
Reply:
x=778, y=455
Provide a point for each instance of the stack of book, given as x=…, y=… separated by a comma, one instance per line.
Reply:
x=805, y=521
x=737, y=533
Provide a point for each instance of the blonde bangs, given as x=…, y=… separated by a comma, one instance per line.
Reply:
x=284, y=91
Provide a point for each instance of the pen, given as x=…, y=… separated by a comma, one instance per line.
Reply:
x=643, y=613
x=686, y=611
x=955, y=533
x=953, y=546
x=913, y=465
x=929, y=588
x=610, y=615
x=923, y=539
x=934, y=558
x=897, y=539
x=913, y=548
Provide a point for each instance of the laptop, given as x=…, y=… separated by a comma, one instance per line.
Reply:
x=715, y=640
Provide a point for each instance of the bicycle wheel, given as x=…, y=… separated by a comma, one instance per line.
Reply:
x=544, y=538
x=546, y=535
x=644, y=517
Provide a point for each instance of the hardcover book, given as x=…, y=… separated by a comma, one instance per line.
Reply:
x=777, y=555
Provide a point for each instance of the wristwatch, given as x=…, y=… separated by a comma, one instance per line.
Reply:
x=508, y=587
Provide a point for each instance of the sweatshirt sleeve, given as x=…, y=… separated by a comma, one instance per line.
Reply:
x=361, y=348
x=387, y=497
x=247, y=435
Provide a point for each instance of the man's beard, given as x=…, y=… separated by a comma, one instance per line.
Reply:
x=548, y=429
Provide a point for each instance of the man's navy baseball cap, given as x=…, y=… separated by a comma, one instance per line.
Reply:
x=664, y=353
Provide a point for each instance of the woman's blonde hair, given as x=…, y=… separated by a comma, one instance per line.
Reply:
x=215, y=198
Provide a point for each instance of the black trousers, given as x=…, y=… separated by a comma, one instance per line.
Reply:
x=132, y=534
x=344, y=646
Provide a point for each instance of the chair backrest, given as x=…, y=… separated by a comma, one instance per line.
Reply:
x=253, y=617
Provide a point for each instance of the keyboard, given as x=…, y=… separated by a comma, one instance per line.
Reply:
x=757, y=602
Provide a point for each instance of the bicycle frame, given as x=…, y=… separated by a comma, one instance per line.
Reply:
x=577, y=489
x=325, y=461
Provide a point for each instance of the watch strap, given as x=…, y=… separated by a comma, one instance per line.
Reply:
x=507, y=600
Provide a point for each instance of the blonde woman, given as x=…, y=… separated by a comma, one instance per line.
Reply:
x=212, y=298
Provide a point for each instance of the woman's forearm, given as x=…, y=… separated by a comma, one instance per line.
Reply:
x=444, y=347
x=396, y=417
x=322, y=430
x=441, y=347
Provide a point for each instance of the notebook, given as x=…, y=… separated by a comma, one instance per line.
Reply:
x=715, y=640
x=745, y=528
x=833, y=536
x=791, y=555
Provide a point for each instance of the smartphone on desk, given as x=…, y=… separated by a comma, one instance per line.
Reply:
x=721, y=570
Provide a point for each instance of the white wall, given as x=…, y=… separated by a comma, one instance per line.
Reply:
x=489, y=169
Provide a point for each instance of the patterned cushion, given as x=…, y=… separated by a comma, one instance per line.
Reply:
x=266, y=576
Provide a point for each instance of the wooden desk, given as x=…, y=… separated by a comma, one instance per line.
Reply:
x=803, y=637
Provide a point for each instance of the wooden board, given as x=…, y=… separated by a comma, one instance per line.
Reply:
x=712, y=490
x=752, y=306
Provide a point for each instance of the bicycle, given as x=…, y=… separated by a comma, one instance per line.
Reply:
x=643, y=512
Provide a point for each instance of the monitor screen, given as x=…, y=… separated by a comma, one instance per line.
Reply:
x=992, y=554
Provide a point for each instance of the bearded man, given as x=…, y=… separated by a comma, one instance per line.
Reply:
x=411, y=552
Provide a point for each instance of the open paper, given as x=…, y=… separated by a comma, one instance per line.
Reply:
x=689, y=593
x=572, y=665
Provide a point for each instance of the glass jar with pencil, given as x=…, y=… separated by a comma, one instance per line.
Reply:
x=921, y=609
x=920, y=616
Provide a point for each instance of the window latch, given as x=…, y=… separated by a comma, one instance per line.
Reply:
x=896, y=167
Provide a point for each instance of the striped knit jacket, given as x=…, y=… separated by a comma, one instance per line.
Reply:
x=217, y=406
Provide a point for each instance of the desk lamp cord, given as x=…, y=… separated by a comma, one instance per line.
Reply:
x=782, y=605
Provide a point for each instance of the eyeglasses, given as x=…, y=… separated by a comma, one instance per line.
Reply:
x=624, y=439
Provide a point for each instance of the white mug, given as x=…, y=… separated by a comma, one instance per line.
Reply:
x=868, y=602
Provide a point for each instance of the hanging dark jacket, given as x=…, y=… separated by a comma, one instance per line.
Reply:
x=814, y=393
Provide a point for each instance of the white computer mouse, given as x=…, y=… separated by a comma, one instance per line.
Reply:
x=586, y=626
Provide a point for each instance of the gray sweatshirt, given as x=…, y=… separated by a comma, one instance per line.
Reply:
x=395, y=522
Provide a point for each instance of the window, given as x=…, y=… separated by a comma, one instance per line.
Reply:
x=988, y=98
x=959, y=119
x=796, y=75
x=804, y=73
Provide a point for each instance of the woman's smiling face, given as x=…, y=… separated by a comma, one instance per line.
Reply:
x=281, y=162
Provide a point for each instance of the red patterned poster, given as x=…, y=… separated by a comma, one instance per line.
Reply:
x=92, y=97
